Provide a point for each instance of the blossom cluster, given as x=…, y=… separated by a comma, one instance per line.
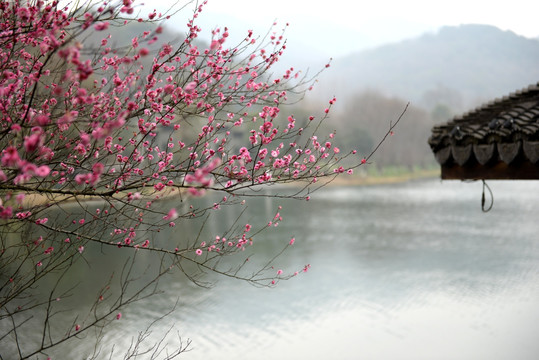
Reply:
x=116, y=128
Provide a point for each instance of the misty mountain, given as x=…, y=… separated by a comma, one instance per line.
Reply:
x=457, y=66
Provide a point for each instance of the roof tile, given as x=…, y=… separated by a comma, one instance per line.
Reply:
x=508, y=120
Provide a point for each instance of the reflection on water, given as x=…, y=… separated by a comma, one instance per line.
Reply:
x=407, y=271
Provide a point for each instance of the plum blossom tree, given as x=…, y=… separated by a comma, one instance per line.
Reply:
x=97, y=139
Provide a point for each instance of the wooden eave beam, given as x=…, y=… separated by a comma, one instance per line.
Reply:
x=521, y=170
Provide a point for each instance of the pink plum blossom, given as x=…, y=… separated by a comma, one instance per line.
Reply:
x=190, y=87
x=101, y=26
x=171, y=215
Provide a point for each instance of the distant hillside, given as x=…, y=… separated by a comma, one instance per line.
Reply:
x=457, y=66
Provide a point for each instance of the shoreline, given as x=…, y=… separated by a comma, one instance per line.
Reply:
x=32, y=200
x=365, y=180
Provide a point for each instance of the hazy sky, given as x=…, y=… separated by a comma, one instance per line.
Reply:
x=338, y=27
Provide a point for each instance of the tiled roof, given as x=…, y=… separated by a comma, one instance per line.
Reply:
x=503, y=130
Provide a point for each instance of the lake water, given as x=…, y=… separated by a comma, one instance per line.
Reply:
x=404, y=271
